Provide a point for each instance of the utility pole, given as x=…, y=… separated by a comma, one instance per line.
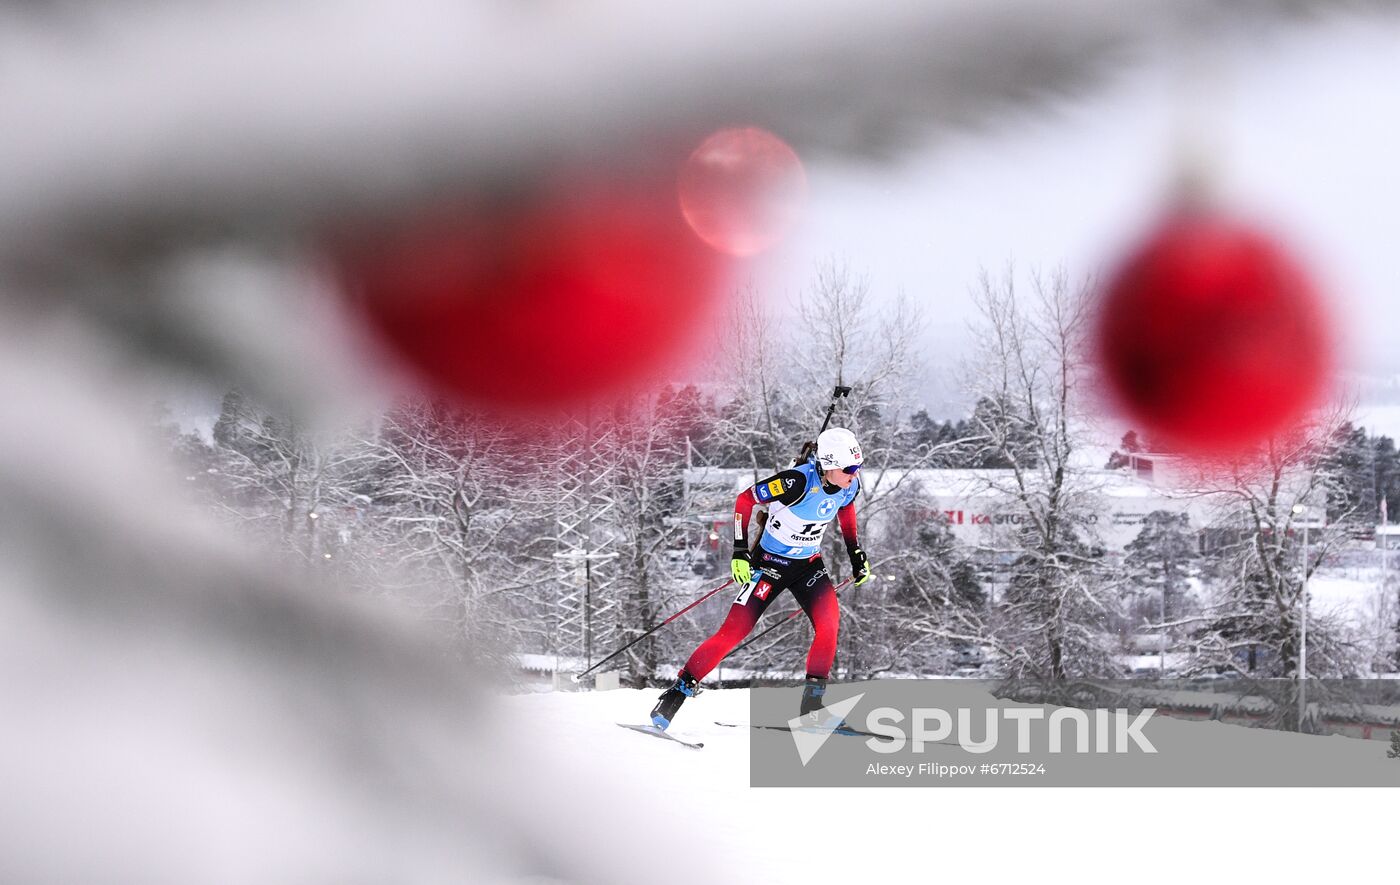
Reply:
x=1302, y=510
x=1162, y=638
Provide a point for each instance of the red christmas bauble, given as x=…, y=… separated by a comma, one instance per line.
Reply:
x=742, y=190
x=537, y=298
x=1212, y=337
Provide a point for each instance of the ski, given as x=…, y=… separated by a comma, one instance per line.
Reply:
x=852, y=732
x=656, y=732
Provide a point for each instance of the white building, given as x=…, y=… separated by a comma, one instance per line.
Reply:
x=1388, y=537
x=978, y=504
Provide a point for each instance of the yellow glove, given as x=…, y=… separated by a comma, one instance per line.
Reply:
x=741, y=566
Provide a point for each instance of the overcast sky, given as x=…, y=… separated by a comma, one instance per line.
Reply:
x=1306, y=127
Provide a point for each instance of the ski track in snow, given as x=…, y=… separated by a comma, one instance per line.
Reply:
x=806, y=835
x=797, y=835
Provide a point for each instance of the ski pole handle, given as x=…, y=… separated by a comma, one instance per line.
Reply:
x=831, y=409
x=809, y=448
x=638, y=639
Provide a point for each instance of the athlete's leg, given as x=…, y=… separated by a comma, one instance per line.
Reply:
x=743, y=614
x=817, y=597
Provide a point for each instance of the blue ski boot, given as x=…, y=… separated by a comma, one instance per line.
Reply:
x=686, y=686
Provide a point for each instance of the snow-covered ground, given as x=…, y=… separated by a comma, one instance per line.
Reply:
x=772, y=836
x=1355, y=598
x=812, y=835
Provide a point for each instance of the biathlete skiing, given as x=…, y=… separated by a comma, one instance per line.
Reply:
x=801, y=501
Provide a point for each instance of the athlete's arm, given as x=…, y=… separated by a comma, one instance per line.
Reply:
x=846, y=518
x=860, y=563
x=743, y=509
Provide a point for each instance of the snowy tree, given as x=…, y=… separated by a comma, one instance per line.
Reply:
x=1014, y=444
x=1129, y=445
x=1264, y=504
x=933, y=597
x=1155, y=570
x=924, y=441
x=289, y=484
x=1387, y=475
x=774, y=395
x=193, y=460
x=1029, y=372
x=653, y=519
x=445, y=509
x=1350, y=460
x=1378, y=618
x=872, y=350
x=454, y=520
x=753, y=428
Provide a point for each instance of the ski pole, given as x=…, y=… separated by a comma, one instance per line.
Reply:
x=638, y=639
x=792, y=614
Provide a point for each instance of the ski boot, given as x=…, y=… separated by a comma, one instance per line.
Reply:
x=812, y=711
x=686, y=686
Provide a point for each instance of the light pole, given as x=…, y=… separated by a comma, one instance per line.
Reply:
x=1162, y=637
x=1301, y=510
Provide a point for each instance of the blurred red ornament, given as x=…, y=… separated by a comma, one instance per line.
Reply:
x=540, y=298
x=1212, y=337
x=742, y=190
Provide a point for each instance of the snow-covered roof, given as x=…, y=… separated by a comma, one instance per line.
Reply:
x=541, y=663
x=942, y=482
